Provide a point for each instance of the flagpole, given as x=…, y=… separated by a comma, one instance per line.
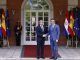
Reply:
x=7, y=28
x=8, y=43
x=76, y=41
x=67, y=41
x=72, y=41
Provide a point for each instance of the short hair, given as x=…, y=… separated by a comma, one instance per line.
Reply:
x=40, y=20
x=52, y=19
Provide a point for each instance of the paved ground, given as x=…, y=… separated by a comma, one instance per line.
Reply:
x=14, y=53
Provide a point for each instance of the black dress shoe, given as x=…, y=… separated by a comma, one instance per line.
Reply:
x=51, y=57
x=43, y=57
x=38, y=58
x=55, y=58
x=59, y=56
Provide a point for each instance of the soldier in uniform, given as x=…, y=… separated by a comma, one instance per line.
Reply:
x=18, y=29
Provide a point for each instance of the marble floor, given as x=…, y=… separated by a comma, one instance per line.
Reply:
x=14, y=53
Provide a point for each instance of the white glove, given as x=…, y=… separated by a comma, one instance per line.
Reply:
x=49, y=36
x=56, y=40
x=44, y=35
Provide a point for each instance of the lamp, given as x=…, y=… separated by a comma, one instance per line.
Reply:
x=61, y=12
x=13, y=12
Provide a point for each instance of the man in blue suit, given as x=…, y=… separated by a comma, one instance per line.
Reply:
x=40, y=31
x=54, y=32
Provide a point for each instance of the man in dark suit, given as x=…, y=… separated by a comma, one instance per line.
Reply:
x=40, y=30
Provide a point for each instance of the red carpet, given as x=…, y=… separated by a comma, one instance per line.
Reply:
x=30, y=51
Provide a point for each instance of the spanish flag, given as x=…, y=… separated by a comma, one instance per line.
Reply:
x=3, y=24
x=71, y=25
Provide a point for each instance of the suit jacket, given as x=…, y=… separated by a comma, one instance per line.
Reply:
x=54, y=32
x=40, y=32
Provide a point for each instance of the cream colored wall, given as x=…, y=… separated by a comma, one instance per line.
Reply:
x=72, y=4
x=2, y=1
x=3, y=4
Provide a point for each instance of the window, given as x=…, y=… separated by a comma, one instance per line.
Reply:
x=35, y=10
x=37, y=5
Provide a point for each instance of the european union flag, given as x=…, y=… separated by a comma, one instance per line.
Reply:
x=0, y=31
x=77, y=23
x=76, y=26
x=7, y=24
x=7, y=13
x=8, y=28
x=79, y=28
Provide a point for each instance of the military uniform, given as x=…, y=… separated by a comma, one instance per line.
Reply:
x=18, y=29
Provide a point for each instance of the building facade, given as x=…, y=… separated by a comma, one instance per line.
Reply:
x=28, y=12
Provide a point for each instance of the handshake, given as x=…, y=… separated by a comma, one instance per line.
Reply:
x=44, y=35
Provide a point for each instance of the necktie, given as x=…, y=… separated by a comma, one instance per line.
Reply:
x=42, y=27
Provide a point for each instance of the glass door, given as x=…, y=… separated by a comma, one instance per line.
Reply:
x=30, y=28
x=32, y=18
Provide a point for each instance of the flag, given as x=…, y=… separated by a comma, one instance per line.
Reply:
x=0, y=29
x=30, y=2
x=8, y=32
x=7, y=13
x=76, y=25
x=79, y=27
x=77, y=21
x=66, y=27
x=71, y=25
x=66, y=23
x=78, y=15
x=3, y=24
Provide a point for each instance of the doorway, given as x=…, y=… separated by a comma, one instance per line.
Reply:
x=32, y=12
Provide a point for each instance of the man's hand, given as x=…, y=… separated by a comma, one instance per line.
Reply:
x=56, y=40
x=16, y=33
x=44, y=35
x=49, y=36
